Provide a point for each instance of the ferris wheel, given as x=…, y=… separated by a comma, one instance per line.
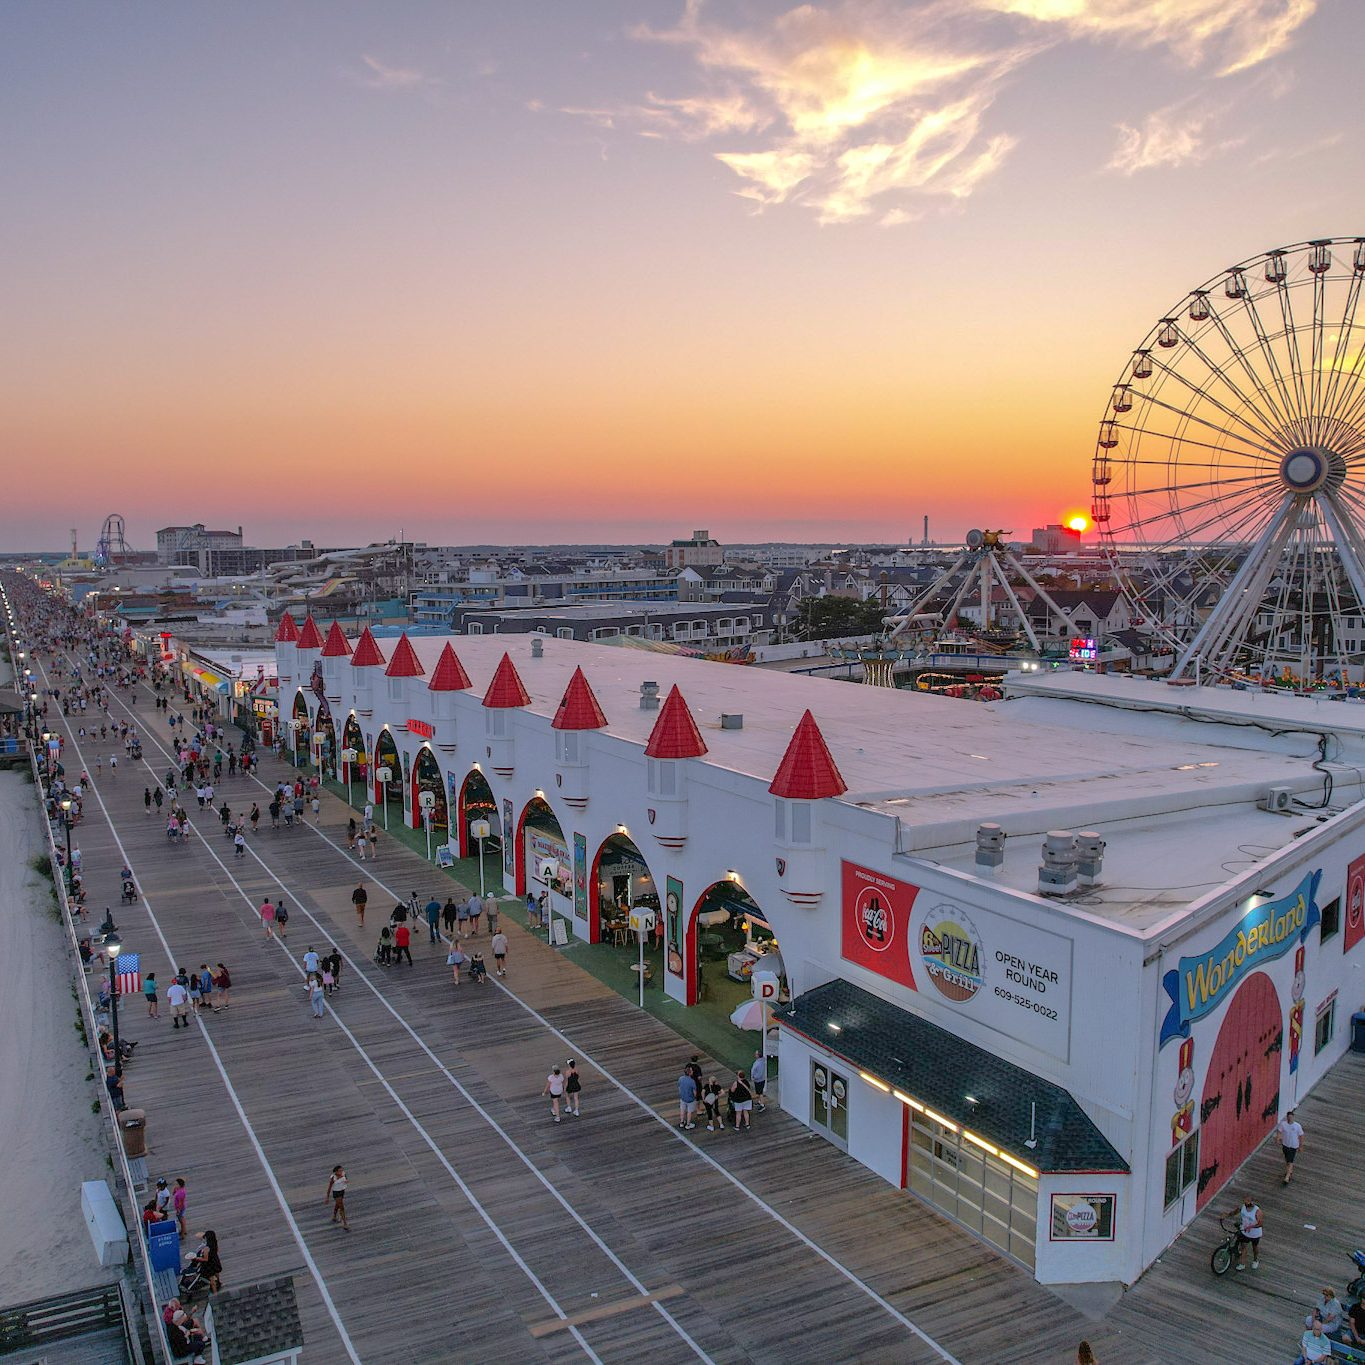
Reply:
x=1229, y=471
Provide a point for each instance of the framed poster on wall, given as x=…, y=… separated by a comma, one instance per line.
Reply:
x=1082, y=1218
x=580, y=877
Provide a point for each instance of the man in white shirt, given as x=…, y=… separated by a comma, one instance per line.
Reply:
x=1250, y=1229
x=1291, y=1139
x=178, y=998
x=310, y=960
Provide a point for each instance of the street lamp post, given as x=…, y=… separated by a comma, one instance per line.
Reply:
x=111, y=949
x=382, y=776
x=481, y=829
x=66, y=826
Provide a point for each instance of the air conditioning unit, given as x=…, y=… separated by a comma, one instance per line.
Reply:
x=1278, y=799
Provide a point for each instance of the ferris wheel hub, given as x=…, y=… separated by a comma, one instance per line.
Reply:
x=1310, y=468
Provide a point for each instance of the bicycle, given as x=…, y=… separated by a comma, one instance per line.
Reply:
x=1225, y=1254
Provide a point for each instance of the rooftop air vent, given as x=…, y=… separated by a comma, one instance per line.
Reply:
x=1057, y=872
x=990, y=848
x=731, y=720
x=649, y=696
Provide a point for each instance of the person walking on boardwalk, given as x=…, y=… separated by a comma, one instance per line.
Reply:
x=402, y=944
x=475, y=913
x=710, y=1097
x=741, y=1102
x=147, y=799
x=758, y=1079
x=311, y=962
x=433, y=914
x=239, y=844
x=687, y=1100
x=315, y=995
x=554, y=1088
x=268, y=917
x=333, y=965
x=462, y=914
x=450, y=912
x=359, y=898
x=179, y=1200
x=499, y=947
x=282, y=920
x=573, y=1088
x=178, y=998
x=1250, y=1227
x=1291, y=1141
x=149, y=991
x=337, y=1185
x=491, y=906
x=222, y=985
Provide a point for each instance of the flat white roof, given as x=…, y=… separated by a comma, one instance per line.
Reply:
x=1172, y=787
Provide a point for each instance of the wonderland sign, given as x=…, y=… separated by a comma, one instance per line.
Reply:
x=1200, y=984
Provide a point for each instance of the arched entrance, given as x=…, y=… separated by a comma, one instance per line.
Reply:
x=477, y=803
x=1242, y=1085
x=544, y=862
x=388, y=795
x=725, y=930
x=300, y=731
x=353, y=738
x=621, y=880
x=326, y=731
x=427, y=777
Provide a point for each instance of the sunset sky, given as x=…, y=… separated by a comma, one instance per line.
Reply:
x=565, y=271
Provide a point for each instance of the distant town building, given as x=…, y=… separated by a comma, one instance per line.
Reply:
x=705, y=626
x=701, y=549
x=221, y=554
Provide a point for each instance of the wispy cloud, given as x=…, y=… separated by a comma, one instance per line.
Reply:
x=863, y=110
x=842, y=108
x=377, y=75
x=1234, y=35
x=1179, y=135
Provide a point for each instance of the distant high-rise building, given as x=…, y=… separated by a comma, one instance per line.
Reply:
x=701, y=549
x=1056, y=540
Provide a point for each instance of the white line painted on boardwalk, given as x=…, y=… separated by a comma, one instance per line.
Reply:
x=576, y=1050
x=232, y=1094
x=512, y=1145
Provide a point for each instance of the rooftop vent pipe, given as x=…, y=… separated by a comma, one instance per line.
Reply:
x=1089, y=857
x=1057, y=873
x=537, y=647
x=649, y=696
x=990, y=848
x=730, y=720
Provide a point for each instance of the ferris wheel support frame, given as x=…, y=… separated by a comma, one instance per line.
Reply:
x=1227, y=615
x=991, y=560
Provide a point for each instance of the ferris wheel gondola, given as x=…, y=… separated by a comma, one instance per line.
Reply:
x=1229, y=471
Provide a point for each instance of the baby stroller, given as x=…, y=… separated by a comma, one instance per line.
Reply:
x=129, y=894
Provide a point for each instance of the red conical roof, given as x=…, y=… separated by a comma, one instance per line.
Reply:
x=579, y=709
x=366, y=651
x=336, y=646
x=449, y=674
x=405, y=663
x=807, y=771
x=675, y=733
x=310, y=637
x=506, y=689
x=288, y=632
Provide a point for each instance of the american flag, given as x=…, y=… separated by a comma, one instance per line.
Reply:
x=127, y=973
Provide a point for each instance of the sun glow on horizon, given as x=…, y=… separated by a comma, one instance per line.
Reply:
x=1079, y=522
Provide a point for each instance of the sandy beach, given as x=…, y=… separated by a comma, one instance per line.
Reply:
x=49, y=1136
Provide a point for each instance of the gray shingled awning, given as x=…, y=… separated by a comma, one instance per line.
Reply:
x=940, y=1070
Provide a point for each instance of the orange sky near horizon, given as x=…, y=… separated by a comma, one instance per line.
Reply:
x=432, y=278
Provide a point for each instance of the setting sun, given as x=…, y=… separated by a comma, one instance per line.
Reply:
x=1079, y=523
